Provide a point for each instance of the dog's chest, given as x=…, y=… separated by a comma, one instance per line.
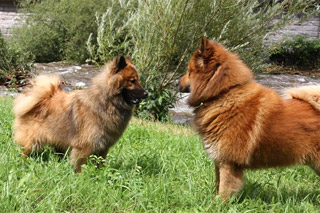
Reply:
x=212, y=125
x=230, y=129
x=110, y=128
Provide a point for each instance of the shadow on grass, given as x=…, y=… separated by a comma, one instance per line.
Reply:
x=147, y=164
x=49, y=153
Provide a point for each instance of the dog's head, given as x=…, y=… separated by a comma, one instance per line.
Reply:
x=211, y=70
x=124, y=80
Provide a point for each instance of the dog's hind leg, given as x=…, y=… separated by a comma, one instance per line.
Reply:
x=25, y=142
x=231, y=180
x=31, y=147
x=26, y=151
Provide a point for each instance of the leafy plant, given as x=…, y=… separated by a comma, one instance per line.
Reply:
x=156, y=107
x=15, y=65
x=298, y=51
x=58, y=30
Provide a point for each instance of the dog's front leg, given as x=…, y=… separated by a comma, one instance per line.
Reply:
x=231, y=180
x=217, y=172
x=79, y=157
x=103, y=154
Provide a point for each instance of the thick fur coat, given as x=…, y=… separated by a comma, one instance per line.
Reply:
x=87, y=121
x=245, y=125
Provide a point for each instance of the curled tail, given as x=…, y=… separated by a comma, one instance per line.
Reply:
x=310, y=94
x=42, y=87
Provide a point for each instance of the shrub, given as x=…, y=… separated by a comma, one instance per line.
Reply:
x=162, y=34
x=15, y=65
x=297, y=51
x=58, y=30
x=112, y=36
x=42, y=40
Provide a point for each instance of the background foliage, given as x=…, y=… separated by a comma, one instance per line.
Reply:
x=298, y=51
x=14, y=64
x=58, y=30
x=160, y=35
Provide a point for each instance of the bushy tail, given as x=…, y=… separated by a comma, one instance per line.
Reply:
x=42, y=87
x=310, y=94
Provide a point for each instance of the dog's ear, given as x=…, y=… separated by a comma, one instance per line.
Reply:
x=120, y=64
x=128, y=59
x=202, y=51
x=203, y=45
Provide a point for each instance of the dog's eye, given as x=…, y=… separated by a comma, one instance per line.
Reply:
x=133, y=81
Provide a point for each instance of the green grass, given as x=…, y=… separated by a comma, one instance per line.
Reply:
x=154, y=167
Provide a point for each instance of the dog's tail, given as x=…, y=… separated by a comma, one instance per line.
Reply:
x=310, y=94
x=42, y=87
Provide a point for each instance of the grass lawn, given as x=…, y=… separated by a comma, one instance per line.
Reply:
x=153, y=168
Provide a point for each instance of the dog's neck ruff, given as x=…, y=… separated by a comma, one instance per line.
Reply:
x=216, y=97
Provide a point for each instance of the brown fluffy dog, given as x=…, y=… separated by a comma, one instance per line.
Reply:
x=245, y=125
x=88, y=121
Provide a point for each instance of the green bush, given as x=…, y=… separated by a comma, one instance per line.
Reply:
x=42, y=40
x=58, y=30
x=298, y=51
x=161, y=35
x=15, y=65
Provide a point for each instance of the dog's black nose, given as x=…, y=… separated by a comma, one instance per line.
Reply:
x=184, y=89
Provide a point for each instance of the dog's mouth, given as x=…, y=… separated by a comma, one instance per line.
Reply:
x=133, y=96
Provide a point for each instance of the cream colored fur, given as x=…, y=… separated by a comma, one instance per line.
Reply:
x=310, y=94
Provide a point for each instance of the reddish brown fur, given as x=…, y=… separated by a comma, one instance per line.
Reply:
x=245, y=125
x=88, y=121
